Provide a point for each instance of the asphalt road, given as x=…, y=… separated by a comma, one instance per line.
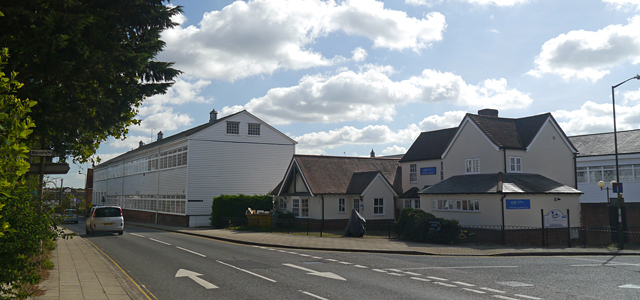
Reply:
x=164, y=262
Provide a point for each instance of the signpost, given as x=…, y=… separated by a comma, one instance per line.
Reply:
x=49, y=168
x=42, y=153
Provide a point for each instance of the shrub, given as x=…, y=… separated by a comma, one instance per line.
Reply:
x=235, y=206
x=413, y=224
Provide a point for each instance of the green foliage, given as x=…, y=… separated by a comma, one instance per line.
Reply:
x=23, y=224
x=235, y=206
x=413, y=224
x=89, y=63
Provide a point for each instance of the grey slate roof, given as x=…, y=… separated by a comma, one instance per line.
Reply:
x=411, y=193
x=360, y=181
x=338, y=174
x=603, y=143
x=429, y=145
x=513, y=183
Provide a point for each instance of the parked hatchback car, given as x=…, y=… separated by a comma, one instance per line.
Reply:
x=106, y=219
x=70, y=215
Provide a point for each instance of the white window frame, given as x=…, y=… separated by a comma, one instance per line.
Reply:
x=408, y=203
x=472, y=166
x=378, y=206
x=342, y=205
x=515, y=164
x=283, y=203
x=413, y=173
x=356, y=204
x=295, y=207
x=456, y=205
x=304, y=208
x=233, y=127
x=253, y=129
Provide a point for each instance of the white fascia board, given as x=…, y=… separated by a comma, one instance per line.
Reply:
x=455, y=137
x=386, y=182
x=555, y=125
x=294, y=164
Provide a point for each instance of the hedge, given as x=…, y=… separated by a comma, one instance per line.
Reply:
x=235, y=206
x=413, y=225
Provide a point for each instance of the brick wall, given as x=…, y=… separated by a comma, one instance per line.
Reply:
x=594, y=214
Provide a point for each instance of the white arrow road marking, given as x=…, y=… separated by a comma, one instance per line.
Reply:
x=193, y=275
x=316, y=273
x=630, y=286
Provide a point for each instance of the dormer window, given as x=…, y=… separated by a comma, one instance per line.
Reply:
x=472, y=166
x=254, y=129
x=515, y=164
x=233, y=127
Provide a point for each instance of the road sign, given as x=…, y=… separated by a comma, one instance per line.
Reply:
x=617, y=187
x=42, y=153
x=49, y=168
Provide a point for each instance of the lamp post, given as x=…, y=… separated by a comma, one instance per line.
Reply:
x=601, y=185
x=615, y=141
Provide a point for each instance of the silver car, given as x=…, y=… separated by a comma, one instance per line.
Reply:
x=105, y=218
x=70, y=215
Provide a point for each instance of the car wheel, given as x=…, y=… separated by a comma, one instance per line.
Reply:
x=120, y=232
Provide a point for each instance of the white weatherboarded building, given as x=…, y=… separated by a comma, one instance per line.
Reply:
x=174, y=179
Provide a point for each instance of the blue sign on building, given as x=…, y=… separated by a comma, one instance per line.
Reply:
x=428, y=171
x=519, y=204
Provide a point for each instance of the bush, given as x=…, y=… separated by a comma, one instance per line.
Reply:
x=413, y=225
x=235, y=206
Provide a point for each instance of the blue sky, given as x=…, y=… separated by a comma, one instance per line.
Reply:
x=345, y=77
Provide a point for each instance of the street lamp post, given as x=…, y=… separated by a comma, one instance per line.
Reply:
x=615, y=141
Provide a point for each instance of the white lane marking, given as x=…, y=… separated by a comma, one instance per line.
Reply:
x=378, y=270
x=471, y=267
x=475, y=291
x=345, y=263
x=492, y=290
x=194, y=276
x=421, y=279
x=305, y=255
x=630, y=286
x=161, y=242
x=248, y=272
x=414, y=274
x=611, y=264
x=444, y=284
x=317, y=273
x=136, y=234
x=292, y=252
x=395, y=274
x=316, y=257
x=528, y=297
x=312, y=295
x=330, y=259
x=437, y=278
x=271, y=249
x=283, y=251
x=464, y=283
x=196, y=253
x=361, y=267
x=395, y=270
x=504, y=297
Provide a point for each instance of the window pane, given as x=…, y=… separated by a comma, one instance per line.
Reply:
x=609, y=173
x=626, y=173
x=595, y=174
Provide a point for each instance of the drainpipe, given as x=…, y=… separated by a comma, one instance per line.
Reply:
x=157, y=185
x=500, y=191
x=505, y=159
x=322, y=223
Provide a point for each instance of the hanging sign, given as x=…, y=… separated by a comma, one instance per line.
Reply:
x=555, y=218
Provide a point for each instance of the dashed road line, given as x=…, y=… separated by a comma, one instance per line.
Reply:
x=414, y=274
x=528, y=297
x=136, y=234
x=464, y=283
x=437, y=278
x=159, y=241
x=361, y=267
x=196, y=253
x=345, y=263
x=316, y=257
x=475, y=291
x=312, y=295
x=378, y=270
x=305, y=255
x=246, y=271
x=420, y=279
x=395, y=270
x=504, y=297
x=331, y=259
x=396, y=274
x=492, y=290
x=444, y=284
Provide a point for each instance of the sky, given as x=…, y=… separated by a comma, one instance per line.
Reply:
x=348, y=77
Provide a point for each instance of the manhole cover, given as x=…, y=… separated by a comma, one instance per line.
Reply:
x=514, y=283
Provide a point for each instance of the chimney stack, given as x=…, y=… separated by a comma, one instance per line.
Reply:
x=213, y=115
x=373, y=154
x=488, y=112
x=140, y=144
x=160, y=135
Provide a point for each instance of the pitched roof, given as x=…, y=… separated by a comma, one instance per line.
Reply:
x=360, y=181
x=603, y=143
x=429, y=145
x=513, y=183
x=510, y=133
x=335, y=174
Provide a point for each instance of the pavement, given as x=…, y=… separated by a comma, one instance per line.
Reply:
x=82, y=271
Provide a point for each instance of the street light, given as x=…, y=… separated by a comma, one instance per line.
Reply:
x=615, y=140
x=601, y=185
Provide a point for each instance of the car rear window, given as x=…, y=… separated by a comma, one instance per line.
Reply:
x=107, y=212
x=70, y=211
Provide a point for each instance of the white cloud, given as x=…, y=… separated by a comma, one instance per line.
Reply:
x=130, y=142
x=359, y=54
x=589, y=55
x=430, y=3
x=395, y=149
x=595, y=117
x=181, y=92
x=450, y=119
x=262, y=36
x=370, y=95
x=164, y=120
x=624, y=4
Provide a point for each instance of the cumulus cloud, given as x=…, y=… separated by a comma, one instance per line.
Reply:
x=131, y=142
x=589, y=55
x=430, y=3
x=262, y=36
x=595, y=117
x=400, y=140
x=359, y=54
x=370, y=95
x=624, y=4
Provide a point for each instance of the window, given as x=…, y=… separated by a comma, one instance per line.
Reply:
x=356, y=204
x=413, y=173
x=582, y=174
x=295, y=209
x=416, y=204
x=472, y=165
x=254, y=129
x=457, y=205
x=408, y=203
x=283, y=203
x=233, y=127
x=341, y=205
x=378, y=206
x=595, y=174
x=609, y=173
x=305, y=208
x=516, y=164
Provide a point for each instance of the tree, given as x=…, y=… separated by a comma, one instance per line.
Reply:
x=88, y=63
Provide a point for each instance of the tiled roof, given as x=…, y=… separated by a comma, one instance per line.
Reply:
x=360, y=181
x=510, y=133
x=334, y=174
x=603, y=143
x=429, y=145
x=411, y=193
x=517, y=183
